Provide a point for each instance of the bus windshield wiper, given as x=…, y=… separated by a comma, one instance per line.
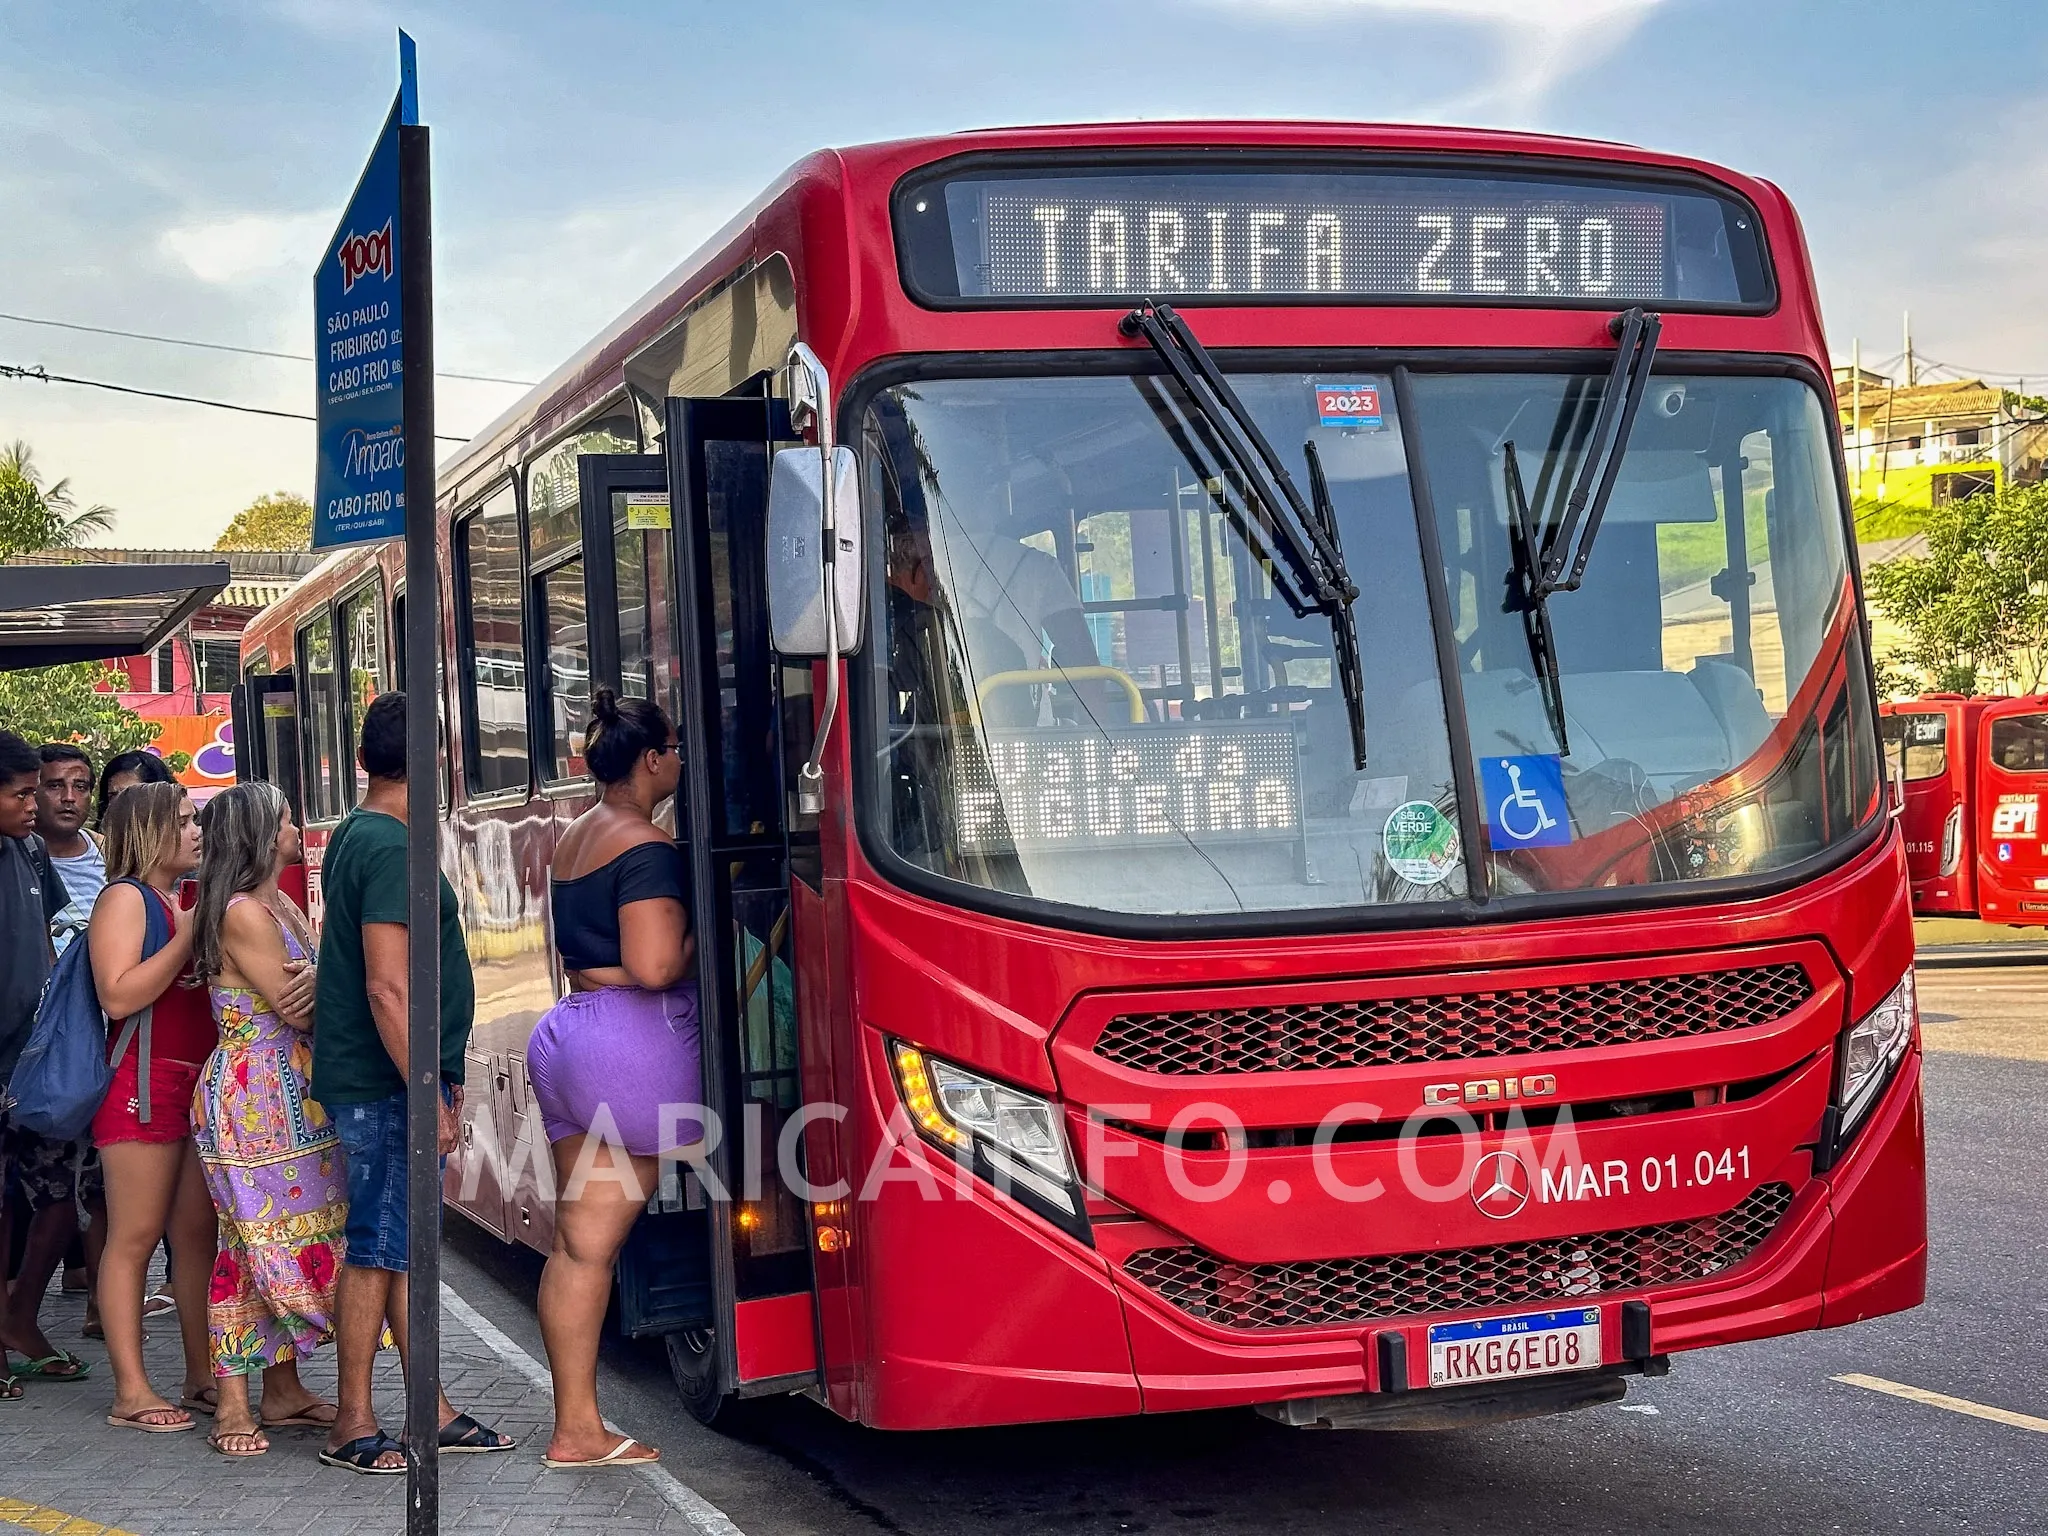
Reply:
x=1551, y=560
x=1305, y=537
x=1523, y=594
x=1636, y=334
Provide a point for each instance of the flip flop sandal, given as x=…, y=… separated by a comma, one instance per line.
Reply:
x=615, y=1457
x=141, y=1421
x=156, y=1306
x=463, y=1436
x=38, y=1369
x=304, y=1419
x=10, y=1388
x=361, y=1455
x=218, y=1436
x=202, y=1402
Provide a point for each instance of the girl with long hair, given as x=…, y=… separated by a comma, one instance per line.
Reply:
x=607, y=1058
x=272, y=1159
x=143, y=1129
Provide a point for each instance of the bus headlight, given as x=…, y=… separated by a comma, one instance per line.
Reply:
x=1011, y=1138
x=1869, y=1051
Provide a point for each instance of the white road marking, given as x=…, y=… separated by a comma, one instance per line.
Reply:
x=1943, y=1400
x=1640, y=1408
x=705, y=1516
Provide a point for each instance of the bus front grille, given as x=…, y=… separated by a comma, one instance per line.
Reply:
x=1329, y=1292
x=1452, y=1026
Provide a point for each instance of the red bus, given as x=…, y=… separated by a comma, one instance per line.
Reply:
x=1975, y=770
x=1339, y=863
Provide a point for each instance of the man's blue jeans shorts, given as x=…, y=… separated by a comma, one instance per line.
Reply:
x=373, y=1138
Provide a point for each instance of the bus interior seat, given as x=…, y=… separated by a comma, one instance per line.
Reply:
x=1732, y=695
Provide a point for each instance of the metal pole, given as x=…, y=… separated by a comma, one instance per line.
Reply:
x=1856, y=407
x=422, y=854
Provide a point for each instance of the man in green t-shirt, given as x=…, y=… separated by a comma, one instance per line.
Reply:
x=360, y=1049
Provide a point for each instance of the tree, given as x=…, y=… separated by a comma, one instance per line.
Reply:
x=72, y=703
x=1975, y=606
x=275, y=520
x=34, y=516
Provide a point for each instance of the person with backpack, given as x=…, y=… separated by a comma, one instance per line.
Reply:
x=141, y=948
x=30, y=896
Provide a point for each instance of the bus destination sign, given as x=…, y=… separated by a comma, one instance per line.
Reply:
x=1120, y=788
x=1321, y=236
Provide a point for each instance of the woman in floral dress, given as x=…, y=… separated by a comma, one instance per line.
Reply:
x=273, y=1163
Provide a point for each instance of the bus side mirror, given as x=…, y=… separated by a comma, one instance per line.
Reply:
x=796, y=563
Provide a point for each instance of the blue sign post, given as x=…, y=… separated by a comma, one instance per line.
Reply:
x=359, y=341
x=373, y=300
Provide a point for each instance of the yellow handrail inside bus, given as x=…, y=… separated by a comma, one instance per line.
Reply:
x=1039, y=676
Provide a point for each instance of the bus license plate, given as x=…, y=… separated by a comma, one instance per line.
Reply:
x=1504, y=1348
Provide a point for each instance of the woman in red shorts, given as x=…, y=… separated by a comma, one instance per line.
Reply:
x=154, y=1181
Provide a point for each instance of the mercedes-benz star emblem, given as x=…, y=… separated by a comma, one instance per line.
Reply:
x=1500, y=1185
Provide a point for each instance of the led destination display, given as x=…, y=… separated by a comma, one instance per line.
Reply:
x=1116, y=788
x=1190, y=235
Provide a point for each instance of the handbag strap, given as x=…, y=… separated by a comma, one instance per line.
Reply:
x=136, y=1026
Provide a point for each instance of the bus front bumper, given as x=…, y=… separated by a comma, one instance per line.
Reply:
x=981, y=1313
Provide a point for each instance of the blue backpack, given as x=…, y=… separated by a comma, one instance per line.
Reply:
x=66, y=1067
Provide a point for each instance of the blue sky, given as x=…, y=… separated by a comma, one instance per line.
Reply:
x=175, y=167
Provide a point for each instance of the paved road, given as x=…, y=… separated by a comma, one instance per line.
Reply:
x=1752, y=1439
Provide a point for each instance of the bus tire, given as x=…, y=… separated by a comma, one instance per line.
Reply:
x=696, y=1358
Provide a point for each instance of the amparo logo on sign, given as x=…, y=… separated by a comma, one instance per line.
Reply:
x=372, y=453
x=364, y=255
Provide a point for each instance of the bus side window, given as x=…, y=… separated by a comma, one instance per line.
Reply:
x=492, y=635
x=362, y=639
x=440, y=688
x=319, y=719
x=559, y=608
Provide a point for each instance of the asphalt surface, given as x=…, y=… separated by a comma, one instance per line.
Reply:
x=1752, y=1438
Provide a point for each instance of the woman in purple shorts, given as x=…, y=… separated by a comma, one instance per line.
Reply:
x=617, y=1057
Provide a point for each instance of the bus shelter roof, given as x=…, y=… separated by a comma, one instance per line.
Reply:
x=51, y=614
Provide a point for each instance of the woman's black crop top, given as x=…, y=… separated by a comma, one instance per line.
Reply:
x=586, y=909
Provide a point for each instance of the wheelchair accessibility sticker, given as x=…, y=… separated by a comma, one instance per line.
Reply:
x=1525, y=805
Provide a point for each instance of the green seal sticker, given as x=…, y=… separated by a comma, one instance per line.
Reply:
x=1421, y=843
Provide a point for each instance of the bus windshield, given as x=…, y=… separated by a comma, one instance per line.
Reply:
x=1094, y=687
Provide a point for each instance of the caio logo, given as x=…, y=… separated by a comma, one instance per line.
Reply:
x=362, y=255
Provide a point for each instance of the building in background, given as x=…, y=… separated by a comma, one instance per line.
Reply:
x=1922, y=445
x=183, y=685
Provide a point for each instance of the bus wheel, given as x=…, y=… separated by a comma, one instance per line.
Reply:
x=696, y=1359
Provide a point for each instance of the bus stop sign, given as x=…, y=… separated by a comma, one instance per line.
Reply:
x=359, y=332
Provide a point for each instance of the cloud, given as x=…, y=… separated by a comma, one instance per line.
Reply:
x=234, y=247
x=1542, y=42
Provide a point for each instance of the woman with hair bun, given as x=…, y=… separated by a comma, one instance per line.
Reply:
x=608, y=1059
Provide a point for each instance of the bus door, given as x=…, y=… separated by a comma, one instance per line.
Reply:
x=2012, y=840
x=265, y=713
x=1926, y=754
x=723, y=1266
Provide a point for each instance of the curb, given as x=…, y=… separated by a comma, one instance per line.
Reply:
x=1966, y=956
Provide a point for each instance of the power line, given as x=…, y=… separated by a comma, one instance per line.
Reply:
x=42, y=375
x=216, y=346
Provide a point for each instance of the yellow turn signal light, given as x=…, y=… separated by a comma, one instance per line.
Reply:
x=919, y=1098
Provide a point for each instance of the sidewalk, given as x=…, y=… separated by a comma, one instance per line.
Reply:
x=60, y=1458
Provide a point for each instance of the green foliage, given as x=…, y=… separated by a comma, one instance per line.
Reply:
x=35, y=516
x=275, y=520
x=177, y=762
x=45, y=704
x=1975, y=607
x=1877, y=520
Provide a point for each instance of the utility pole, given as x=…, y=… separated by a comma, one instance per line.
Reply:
x=1912, y=375
x=1856, y=406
